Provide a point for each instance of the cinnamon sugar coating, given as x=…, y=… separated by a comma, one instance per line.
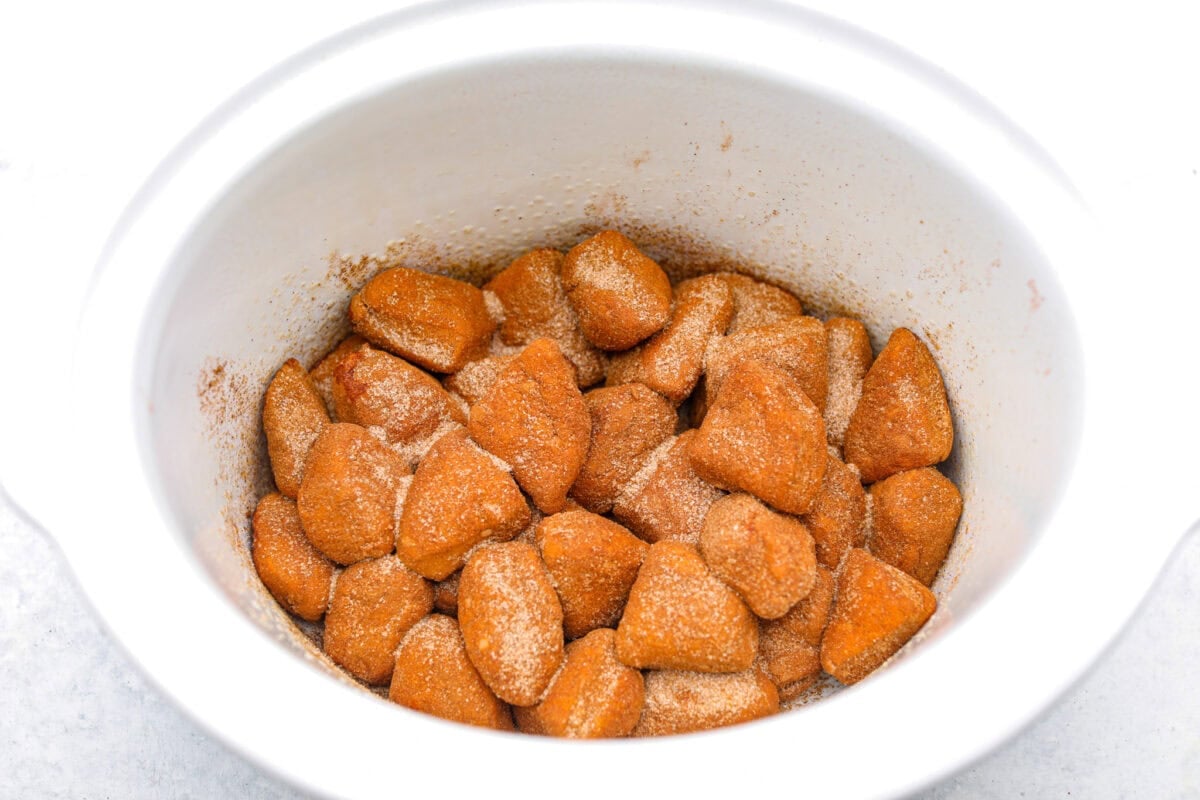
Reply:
x=757, y=303
x=850, y=357
x=666, y=499
x=916, y=513
x=790, y=647
x=293, y=416
x=684, y=702
x=837, y=519
x=322, y=373
x=797, y=345
x=294, y=571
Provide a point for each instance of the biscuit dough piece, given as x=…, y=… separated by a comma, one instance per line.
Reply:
x=435, y=322
x=756, y=303
x=666, y=499
x=877, y=610
x=445, y=595
x=347, y=501
x=681, y=616
x=434, y=675
x=293, y=416
x=683, y=702
x=790, y=647
x=593, y=696
x=294, y=572
x=322, y=373
x=511, y=620
x=850, y=357
x=374, y=604
x=534, y=418
x=838, y=517
x=797, y=345
x=764, y=436
x=476, y=377
x=902, y=420
x=916, y=513
x=459, y=496
x=621, y=296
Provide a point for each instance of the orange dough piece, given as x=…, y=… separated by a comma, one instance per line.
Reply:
x=902, y=420
x=433, y=674
x=294, y=572
x=838, y=517
x=594, y=695
x=850, y=357
x=627, y=423
x=475, y=378
x=790, y=647
x=322, y=373
x=536, y=306
x=433, y=321
x=293, y=416
x=681, y=616
x=763, y=435
x=445, y=595
x=877, y=609
x=683, y=702
x=620, y=295
x=916, y=513
x=765, y=556
x=460, y=496
x=593, y=562
x=756, y=303
x=511, y=620
x=535, y=419
x=374, y=604
x=796, y=345
x=666, y=499
x=376, y=389
x=347, y=501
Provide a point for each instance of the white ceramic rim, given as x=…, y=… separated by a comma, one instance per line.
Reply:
x=955, y=699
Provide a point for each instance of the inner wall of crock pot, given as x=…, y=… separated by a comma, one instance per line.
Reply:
x=704, y=168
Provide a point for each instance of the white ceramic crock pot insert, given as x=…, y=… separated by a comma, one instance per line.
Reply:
x=460, y=136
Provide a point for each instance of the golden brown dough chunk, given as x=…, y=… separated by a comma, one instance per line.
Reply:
x=347, y=501
x=511, y=621
x=764, y=436
x=838, y=517
x=475, y=378
x=916, y=513
x=902, y=420
x=672, y=361
x=682, y=702
x=877, y=609
x=593, y=562
x=756, y=303
x=374, y=604
x=322, y=373
x=294, y=572
x=666, y=499
x=293, y=416
x=790, y=647
x=433, y=321
x=535, y=306
x=765, y=556
x=445, y=595
x=796, y=345
x=627, y=422
x=434, y=675
x=681, y=616
x=376, y=389
x=620, y=295
x=594, y=696
x=850, y=357
x=535, y=419
x=460, y=496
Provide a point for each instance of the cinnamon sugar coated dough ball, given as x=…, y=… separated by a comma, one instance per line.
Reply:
x=511, y=620
x=535, y=306
x=620, y=295
x=797, y=345
x=838, y=517
x=916, y=513
x=756, y=303
x=666, y=499
x=534, y=418
x=322, y=373
x=684, y=702
x=790, y=647
x=347, y=501
x=476, y=377
x=593, y=696
x=681, y=616
x=876, y=610
x=460, y=496
x=435, y=322
x=593, y=562
x=902, y=420
x=293, y=416
x=850, y=357
x=434, y=675
x=673, y=359
x=374, y=604
x=627, y=422
x=764, y=436
x=294, y=572
x=765, y=556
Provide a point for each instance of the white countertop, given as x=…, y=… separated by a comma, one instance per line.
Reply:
x=92, y=96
